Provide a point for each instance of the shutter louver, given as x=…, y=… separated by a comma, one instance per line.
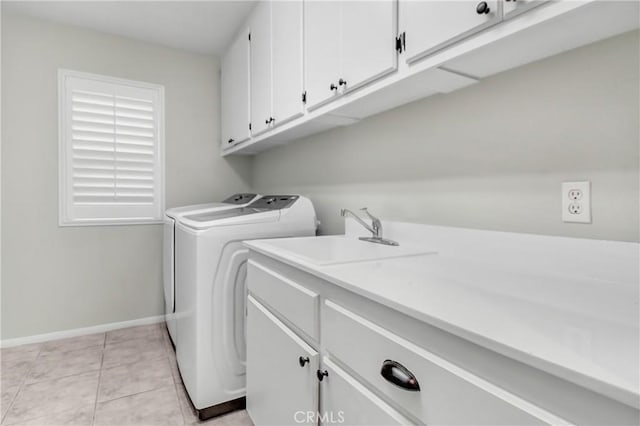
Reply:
x=112, y=151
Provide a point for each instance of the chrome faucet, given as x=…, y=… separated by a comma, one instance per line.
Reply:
x=375, y=228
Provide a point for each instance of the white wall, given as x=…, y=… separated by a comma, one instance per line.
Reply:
x=491, y=156
x=63, y=278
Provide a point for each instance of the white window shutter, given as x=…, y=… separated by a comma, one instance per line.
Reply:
x=111, y=150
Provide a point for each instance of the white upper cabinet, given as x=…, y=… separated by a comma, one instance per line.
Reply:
x=368, y=41
x=276, y=64
x=260, y=66
x=516, y=7
x=312, y=65
x=347, y=44
x=321, y=50
x=235, y=92
x=286, y=42
x=432, y=25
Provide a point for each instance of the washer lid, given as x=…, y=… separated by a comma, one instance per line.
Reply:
x=176, y=212
x=234, y=201
x=263, y=210
x=237, y=216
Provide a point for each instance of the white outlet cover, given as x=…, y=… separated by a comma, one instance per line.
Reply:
x=576, y=194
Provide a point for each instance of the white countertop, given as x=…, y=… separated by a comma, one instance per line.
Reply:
x=583, y=330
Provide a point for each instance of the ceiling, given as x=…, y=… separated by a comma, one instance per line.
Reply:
x=197, y=26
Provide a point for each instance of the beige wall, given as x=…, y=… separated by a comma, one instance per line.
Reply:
x=490, y=156
x=63, y=278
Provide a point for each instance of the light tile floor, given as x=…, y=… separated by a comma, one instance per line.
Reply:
x=122, y=377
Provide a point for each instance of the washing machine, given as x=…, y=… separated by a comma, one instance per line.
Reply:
x=168, y=256
x=211, y=267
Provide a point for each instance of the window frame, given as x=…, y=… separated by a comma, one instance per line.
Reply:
x=64, y=219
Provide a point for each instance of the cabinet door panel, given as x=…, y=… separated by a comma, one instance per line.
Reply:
x=260, y=66
x=321, y=50
x=431, y=25
x=345, y=400
x=286, y=41
x=234, y=94
x=368, y=40
x=278, y=386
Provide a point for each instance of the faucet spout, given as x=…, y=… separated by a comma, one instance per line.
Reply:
x=347, y=212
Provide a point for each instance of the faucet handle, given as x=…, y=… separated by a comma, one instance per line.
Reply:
x=375, y=223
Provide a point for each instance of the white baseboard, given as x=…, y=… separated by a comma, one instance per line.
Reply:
x=57, y=335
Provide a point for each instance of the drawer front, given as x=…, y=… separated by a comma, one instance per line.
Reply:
x=447, y=394
x=294, y=302
x=345, y=400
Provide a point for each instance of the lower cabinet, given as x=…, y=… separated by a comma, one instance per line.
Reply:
x=282, y=383
x=320, y=355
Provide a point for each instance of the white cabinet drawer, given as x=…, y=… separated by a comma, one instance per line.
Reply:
x=447, y=394
x=296, y=303
x=344, y=400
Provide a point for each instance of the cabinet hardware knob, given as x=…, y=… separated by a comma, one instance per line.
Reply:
x=342, y=82
x=230, y=141
x=399, y=375
x=333, y=87
x=271, y=120
x=322, y=374
x=266, y=121
x=482, y=8
x=303, y=360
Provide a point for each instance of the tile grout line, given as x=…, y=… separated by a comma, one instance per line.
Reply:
x=178, y=392
x=137, y=393
x=169, y=350
x=95, y=404
x=165, y=357
x=50, y=380
x=140, y=392
x=22, y=384
x=47, y=379
x=41, y=352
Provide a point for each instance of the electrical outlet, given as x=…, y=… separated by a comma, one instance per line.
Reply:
x=576, y=202
x=575, y=194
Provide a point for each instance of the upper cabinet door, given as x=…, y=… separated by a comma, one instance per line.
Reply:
x=260, y=65
x=368, y=41
x=321, y=50
x=286, y=42
x=235, y=92
x=431, y=25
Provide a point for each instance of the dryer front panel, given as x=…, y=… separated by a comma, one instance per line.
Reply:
x=228, y=316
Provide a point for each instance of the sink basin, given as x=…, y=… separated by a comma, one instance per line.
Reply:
x=331, y=250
